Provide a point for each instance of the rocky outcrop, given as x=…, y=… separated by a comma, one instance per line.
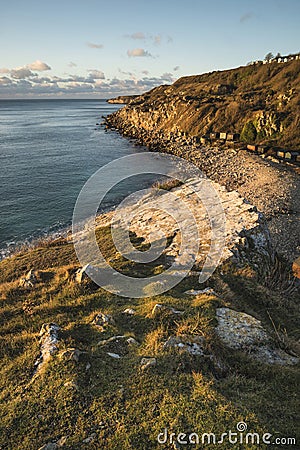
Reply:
x=122, y=99
x=49, y=345
x=240, y=331
x=174, y=118
x=247, y=237
x=220, y=101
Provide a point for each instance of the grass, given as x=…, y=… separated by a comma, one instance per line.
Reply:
x=114, y=401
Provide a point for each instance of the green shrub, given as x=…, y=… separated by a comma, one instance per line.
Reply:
x=249, y=132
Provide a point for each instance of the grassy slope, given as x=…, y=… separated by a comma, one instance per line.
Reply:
x=226, y=100
x=123, y=405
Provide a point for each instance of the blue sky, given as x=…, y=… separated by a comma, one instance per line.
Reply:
x=99, y=49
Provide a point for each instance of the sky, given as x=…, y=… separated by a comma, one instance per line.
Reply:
x=104, y=48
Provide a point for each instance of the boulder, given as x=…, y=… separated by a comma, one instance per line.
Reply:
x=240, y=331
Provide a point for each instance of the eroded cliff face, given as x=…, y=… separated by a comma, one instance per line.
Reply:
x=265, y=95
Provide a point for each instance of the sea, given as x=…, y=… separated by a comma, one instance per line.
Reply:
x=48, y=150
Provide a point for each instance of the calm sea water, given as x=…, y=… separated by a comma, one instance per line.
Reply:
x=48, y=149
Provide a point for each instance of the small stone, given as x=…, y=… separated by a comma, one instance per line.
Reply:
x=191, y=344
x=132, y=341
x=29, y=280
x=146, y=363
x=88, y=366
x=114, y=355
x=111, y=339
x=129, y=311
x=206, y=291
x=101, y=320
x=49, y=446
x=61, y=442
x=89, y=439
x=81, y=274
x=159, y=309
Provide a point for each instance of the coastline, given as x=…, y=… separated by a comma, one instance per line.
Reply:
x=271, y=187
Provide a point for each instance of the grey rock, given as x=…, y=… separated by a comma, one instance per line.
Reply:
x=29, y=280
x=206, y=291
x=114, y=355
x=49, y=446
x=191, y=344
x=159, y=309
x=240, y=331
x=146, y=363
x=129, y=311
x=89, y=439
x=102, y=320
x=49, y=344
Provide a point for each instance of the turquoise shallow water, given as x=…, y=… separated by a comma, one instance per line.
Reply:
x=48, y=149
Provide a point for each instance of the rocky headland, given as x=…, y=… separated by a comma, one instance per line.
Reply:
x=178, y=119
x=122, y=99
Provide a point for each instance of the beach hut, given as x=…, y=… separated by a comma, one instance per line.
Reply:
x=262, y=149
x=291, y=155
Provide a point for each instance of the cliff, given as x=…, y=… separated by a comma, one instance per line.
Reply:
x=122, y=99
x=172, y=118
x=265, y=95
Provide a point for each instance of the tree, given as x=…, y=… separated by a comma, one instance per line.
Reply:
x=269, y=56
x=278, y=55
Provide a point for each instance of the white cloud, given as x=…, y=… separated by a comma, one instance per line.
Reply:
x=145, y=72
x=137, y=52
x=167, y=76
x=92, y=85
x=92, y=45
x=39, y=66
x=21, y=73
x=96, y=74
x=137, y=35
x=4, y=70
x=5, y=81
